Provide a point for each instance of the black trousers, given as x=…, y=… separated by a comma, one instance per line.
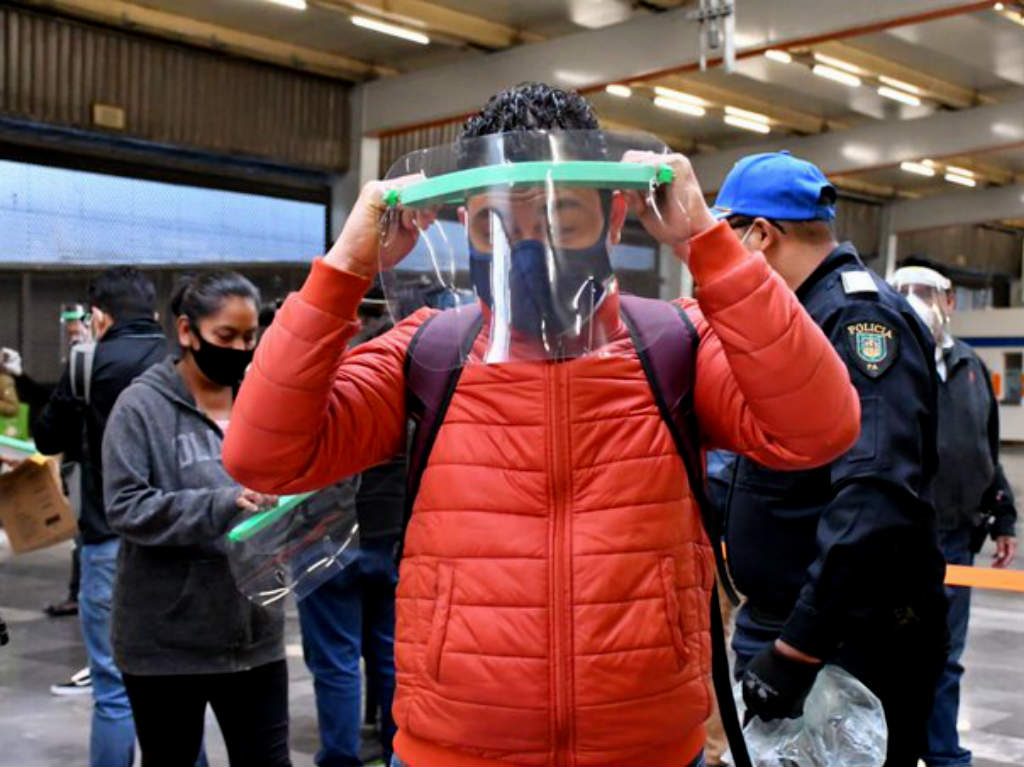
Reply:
x=901, y=664
x=251, y=708
x=898, y=656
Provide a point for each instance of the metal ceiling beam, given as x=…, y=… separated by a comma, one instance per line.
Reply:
x=970, y=206
x=646, y=46
x=885, y=144
x=802, y=122
x=931, y=87
x=429, y=17
x=182, y=29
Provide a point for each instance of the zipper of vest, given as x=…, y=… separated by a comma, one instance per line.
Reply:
x=561, y=562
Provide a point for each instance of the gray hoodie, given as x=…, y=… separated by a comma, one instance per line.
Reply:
x=176, y=607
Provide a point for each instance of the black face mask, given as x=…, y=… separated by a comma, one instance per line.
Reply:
x=222, y=365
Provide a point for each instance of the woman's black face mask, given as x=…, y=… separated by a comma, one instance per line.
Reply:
x=221, y=364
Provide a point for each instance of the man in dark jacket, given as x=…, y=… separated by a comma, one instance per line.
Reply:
x=972, y=496
x=854, y=575
x=129, y=341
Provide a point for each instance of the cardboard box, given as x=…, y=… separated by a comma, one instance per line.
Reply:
x=33, y=508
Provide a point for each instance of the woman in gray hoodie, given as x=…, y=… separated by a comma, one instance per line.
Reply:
x=183, y=634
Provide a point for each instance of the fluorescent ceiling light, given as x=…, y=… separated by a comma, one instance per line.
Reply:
x=775, y=54
x=917, y=168
x=298, y=5
x=959, y=171
x=750, y=125
x=892, y=81
x=954, y=178
x=831, y=73
x=1015, y=17
x=670, y=93
x=897, y=95
x=622, y=91
x=674, y=105
x=837, y=63
x=747, y=115
x=390, y=29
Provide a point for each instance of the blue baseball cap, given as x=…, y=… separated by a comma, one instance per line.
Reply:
x=776, y=185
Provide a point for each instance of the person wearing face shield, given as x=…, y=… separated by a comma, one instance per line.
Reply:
x=555, y=590
x=972, y=496
x=855, y=576
x=128, y=341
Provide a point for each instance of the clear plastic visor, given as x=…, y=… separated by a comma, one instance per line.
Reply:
x=517, y=231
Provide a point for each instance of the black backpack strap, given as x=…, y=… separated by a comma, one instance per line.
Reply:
x=666, y=343
x=433, y=366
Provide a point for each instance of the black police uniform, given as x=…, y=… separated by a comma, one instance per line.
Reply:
x=842, y=561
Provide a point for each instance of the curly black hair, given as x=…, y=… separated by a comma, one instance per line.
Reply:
x=522, y=115
x=531, y=107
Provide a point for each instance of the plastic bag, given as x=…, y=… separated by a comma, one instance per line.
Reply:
x=843, y=726
x=293, y=549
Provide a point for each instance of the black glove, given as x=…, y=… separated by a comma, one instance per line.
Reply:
x=775, y=687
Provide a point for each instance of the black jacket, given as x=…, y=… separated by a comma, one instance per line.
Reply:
x=67, y=425
x=825, y=549
x=970, y=486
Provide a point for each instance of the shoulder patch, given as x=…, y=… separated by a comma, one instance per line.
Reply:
x=874, y=346
x=858, y=282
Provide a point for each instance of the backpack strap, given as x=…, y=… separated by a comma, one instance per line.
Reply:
x=433, y=366
x=666, y=343
x=80, y=362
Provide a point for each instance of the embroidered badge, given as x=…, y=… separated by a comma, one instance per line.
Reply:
x=874, y=346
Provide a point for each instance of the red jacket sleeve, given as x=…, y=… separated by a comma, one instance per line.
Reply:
x=770, y=385
x=310, y=411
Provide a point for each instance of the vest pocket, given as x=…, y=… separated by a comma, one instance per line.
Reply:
x=673, y=612
x=439, y=621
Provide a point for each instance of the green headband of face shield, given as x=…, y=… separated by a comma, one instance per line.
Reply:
x=454, y=187
x=75, y=315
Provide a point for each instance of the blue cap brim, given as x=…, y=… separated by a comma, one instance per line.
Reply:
x=720, y=214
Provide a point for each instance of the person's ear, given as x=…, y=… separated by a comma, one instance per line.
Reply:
x=763, y=236
x=184, y=332
x=617, y=217
x=950, y=301
x=101, y=322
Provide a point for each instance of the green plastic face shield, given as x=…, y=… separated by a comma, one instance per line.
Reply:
x=520, y=228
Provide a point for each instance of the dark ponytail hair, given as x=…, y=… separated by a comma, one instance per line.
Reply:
x=202, y=294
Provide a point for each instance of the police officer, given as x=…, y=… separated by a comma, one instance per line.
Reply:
x=839, y=564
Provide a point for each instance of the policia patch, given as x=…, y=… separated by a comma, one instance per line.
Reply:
x=874, y=345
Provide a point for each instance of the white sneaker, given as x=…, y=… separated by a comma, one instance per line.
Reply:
x=80, y=683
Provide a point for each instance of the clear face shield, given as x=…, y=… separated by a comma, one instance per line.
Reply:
x=74, y=327
x=297, y=546
x=929, y=302
x=519, y=229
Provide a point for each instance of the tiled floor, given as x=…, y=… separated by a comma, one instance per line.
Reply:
x=40, y=730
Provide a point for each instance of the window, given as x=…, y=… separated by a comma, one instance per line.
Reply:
x=61, y=217
x=1012, y=369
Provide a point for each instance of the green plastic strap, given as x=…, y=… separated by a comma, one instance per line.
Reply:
x=246, y=529
x=72, y=316
x=21, y=445
x=597, y=174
